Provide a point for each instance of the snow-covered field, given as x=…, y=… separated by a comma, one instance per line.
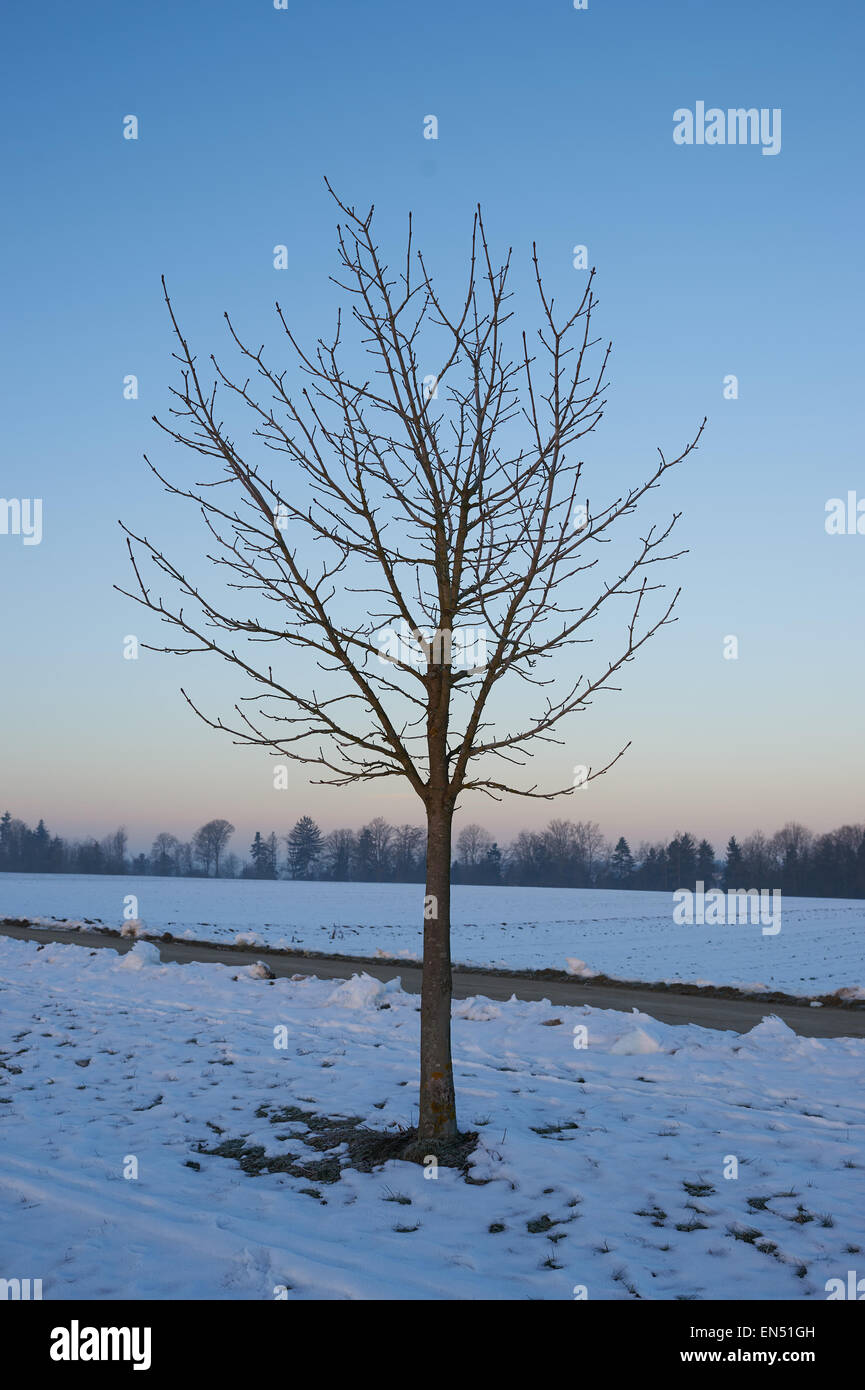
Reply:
x=633, y=936
x=602, y=1169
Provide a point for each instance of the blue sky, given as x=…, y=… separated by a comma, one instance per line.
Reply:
x=710, y=260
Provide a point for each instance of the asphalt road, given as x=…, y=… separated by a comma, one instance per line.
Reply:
x=708, y=1011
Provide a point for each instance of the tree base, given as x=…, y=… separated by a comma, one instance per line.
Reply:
x=449, y=1153
x=367, y=1149
x=370, y=1148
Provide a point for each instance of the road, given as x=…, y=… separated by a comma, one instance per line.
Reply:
x=668, y=1006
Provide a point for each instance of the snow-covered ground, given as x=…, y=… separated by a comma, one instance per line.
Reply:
x=602, y=1168
x=632, y=936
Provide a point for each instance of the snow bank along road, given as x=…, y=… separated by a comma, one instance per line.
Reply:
x=668, y=1006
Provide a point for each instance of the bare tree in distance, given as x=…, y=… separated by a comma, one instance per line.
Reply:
x=472, y=843
x=209, y=842
x=162, y=855
x=437, y=492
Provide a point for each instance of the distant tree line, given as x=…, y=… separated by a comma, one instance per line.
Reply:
x=567, y=854
x=23, y=850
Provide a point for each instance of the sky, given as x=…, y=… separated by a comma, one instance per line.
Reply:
x=712, y=261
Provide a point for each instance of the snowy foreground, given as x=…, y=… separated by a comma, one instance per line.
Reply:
x=600, y=1168
x=630, y=936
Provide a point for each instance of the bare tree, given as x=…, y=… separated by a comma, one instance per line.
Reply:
x=114, y=851
x=380, y=835
x=588, y=843
x=209, y=842
x=338, y=851
x=183, y=858
x=407, y=849
x=792, y=840
x=162, y=855
x=472, y=844
x=436, y=493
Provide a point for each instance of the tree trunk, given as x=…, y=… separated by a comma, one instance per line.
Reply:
x=437, y=1120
